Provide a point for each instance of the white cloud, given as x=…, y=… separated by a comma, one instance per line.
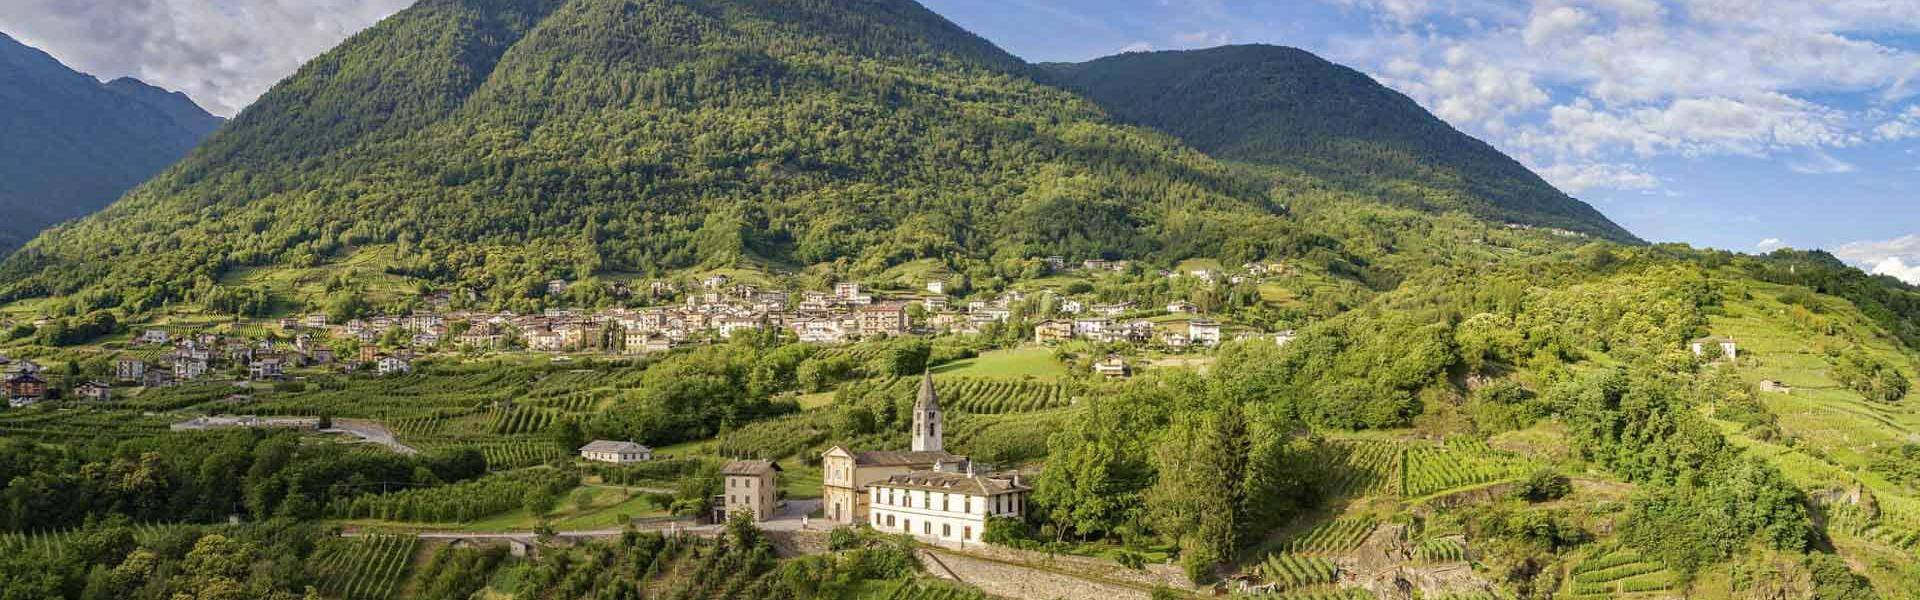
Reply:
x=1137, y=47
x=1770, y=244
x=1551, y=22
x=1585, y=82
x=1574, y=179
x=1901, y=127
x=1400, y=11
x=223, y=53
x=1898, y=257
x=1820, y=163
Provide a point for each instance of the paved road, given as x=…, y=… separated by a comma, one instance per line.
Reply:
x=371, y=431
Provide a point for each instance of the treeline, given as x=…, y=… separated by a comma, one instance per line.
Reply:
x=201, y=478
x=107, y=560
x=1202, y=463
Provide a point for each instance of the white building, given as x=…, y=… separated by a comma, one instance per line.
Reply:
x=618, y=453
x=947, y=507
x=389, y=365
x=1203, y=333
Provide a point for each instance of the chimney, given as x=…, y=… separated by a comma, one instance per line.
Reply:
x=969, y=469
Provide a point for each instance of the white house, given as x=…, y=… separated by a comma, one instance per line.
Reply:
x=1728, y=349
x=946, y=507
x=618, y=453
x=1203, y=333
x=389, y=365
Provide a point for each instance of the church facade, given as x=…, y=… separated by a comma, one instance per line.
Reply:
x=848, y=475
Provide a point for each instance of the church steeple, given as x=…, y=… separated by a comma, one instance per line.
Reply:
x=926, y=418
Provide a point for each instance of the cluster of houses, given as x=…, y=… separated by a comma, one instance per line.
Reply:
x=197, y=356
x=26, y=385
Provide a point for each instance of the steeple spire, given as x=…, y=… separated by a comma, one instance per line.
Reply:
x=927, y=434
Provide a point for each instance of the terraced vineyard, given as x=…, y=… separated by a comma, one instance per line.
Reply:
x=364, y=568
x=1290, y=571
x=81, y=424
x=1445, y=549
x=1848, y=519
x=1339, y=535
x=990, y=396
x=55, y=542
x=1368, y=467
x=1364, y=467
x=1619, y=572
x=922, y=590
x=1317, y=594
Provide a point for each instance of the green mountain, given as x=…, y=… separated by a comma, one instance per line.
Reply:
x=74, y=144
x=500, y=143
x=1289, y=109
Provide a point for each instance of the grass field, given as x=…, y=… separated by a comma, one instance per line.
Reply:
x=1027, y=361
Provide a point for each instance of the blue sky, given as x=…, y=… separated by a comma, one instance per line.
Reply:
x=1738, y=124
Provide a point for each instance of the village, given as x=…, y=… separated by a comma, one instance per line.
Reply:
x=714, y=309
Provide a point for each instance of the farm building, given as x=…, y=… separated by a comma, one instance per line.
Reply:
x=618, y=453
x=752, y=488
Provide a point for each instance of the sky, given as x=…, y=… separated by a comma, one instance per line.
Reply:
x=1746, y=125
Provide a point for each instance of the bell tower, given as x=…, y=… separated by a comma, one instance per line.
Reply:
x=926, y=418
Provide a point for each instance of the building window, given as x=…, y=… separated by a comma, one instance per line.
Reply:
x=966, y=504
x=966, y=533
x=926, y=527
x=946, y=530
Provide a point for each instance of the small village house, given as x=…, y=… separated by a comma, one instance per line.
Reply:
x=93, y=390
x=1728, y=349
x=1048, y=332
x=752, y=487
x=619, y=453
x=392, y=365
x=25, y=388
x=128, y=368
x=1203, y=333
x=1112, y=367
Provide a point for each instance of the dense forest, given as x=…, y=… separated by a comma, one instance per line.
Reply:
x=1284, y=107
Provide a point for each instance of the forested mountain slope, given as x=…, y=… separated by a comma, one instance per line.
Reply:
x=1287, y=108
x=502, y=143
x=73, y=144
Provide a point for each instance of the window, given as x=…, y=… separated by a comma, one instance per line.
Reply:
x=944, y=498
x=966, y=504
x=946, y=530
x=966, y=533
x=926, y=527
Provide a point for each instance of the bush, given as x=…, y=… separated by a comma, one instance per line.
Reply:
x=1543, y=485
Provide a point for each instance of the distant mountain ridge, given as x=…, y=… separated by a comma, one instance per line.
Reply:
x=1287, y=108
x=74, y=144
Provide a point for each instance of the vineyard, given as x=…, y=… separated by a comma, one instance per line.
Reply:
x=1367, y=467
x=54, y=543
x=914, y=589
x=989, y=396
x=365, y=568
x=1850, y=520
x=1460, y=463
x=457, y=503
x=1619, y=572
x=1317, y=594
x=1290, y=571
x=1447, y=549
x=56, y=426
x=1339, y=535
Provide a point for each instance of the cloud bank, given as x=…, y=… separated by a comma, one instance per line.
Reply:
x=1585, y=90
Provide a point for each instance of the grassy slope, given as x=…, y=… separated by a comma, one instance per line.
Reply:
x=1834, y=432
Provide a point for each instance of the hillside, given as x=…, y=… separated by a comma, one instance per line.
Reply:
x=502, y=143
x=74, y=144
x=1286, y=108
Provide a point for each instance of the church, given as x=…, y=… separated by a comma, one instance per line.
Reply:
x=925, y=491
